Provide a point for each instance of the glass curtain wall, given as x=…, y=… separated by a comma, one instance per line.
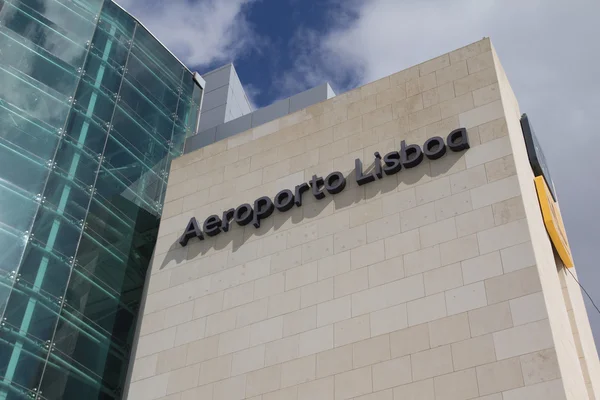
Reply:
x=92, y=111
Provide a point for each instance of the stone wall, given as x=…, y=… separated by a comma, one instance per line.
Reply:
x=421, y=285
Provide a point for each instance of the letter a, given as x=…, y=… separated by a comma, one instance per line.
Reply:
x=192, y=230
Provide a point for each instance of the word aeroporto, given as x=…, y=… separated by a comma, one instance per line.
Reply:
x=408, y=157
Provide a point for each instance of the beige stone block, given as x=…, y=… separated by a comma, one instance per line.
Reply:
x=263, y=381
x=238, y=295
x=493, y=130
x=215, y=369
x=347, y=128
x=456, y=386
x=528, y=308
x=321, y=389
x=489, y=151
x=541, y=366
x=334, y=265
x=438, y=63
x=298, y=371
x=389, y=130
x=316, y=293
x=409, y=178
x=368, y=254
x=202, y=392
x=441, y=279
x=468, y=179
x=353, y=383
x=317, y=249
x=363, y=106
x=417, y=217
x=486, y=95
x=235, y=340
x=391, y=373
x=512, y=285
x=333, y=150
x=517, y=257
x=156, y=342
x=389, y=320
x=286, y=259
x=315, y=341
x=144, y=367
x=409, y=341
x=451, y=73
x=396, y=202
x=438, y=232
x=503, y=236
x=152, y=323
x=424, y=117
x=473, y=352
x=482, y=267
x=421, y=390
x=475, y=81
x=500, y=168
x=290, y=393
x=391, y=95
x=452, y=206
x=446, y=91
x=459, y=249
x=349, y=239
x=266, y=331
x=371, y=351
x=401, y=77
x=377, y=117
x=300, y=321
x=202, y=350
x=353, y=281
x=432, y=191
x=269, y=285
x=523, y=339
x=171, y=359
x=284, y=303
x=422, y=260
x=281, y=350
x=490, y=319
x=335, y=223
x=480, y=62
x=482, y=114
x=426, y=309
x=430, y=363
x=430, y=98
x=334, y=311
x=252, y=312
x=499, y=376
x=386, y=271
x=449, y=330
x=367, y=212
x=456, y=105
x=383, y=228
x=248, y=360
x=403, y=290
x=466, y=298
x=475, y=221
x=334, y=361
x=302, y=234
x=149, y=389
x=301, y=275
x=552, y=390
x=352, y=330
x=401, y=244
x=508, y=210
x=381, y=395
x=321, y=138
x=407, y=106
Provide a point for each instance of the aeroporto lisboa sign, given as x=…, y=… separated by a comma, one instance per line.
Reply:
x=408, y=157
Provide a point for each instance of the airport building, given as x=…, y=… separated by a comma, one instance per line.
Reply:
x=398, y=241
x=160, y=239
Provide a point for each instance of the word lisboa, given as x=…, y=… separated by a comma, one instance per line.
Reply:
x=408, y=157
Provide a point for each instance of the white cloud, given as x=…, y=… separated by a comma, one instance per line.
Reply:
x=548, y=49
x=201, y=32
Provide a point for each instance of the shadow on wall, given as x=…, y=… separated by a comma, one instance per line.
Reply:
x=311, y=209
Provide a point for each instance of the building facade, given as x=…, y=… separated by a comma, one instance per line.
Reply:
x=360, y=249
x=93, y=109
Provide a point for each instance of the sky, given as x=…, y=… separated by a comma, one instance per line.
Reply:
x=549, y=49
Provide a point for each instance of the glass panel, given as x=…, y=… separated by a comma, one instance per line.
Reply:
x=21, y=361
x=22, y=169
x=56, y=233
x=93, y=141
x=53, y=281
x=32, y=314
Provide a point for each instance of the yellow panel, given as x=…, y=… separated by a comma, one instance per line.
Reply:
x=553, y=221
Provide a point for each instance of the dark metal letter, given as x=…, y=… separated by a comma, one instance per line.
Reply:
x=284, y=200
x=360, y=178
x=263, y=208
x=434, y=148
x=317, y=190
x=212, y=225
x=378, y=172
x=192, y=230
x=458, y=140
x=243, y=214
x=392, y=163
x=227, y=216
x=300, y=189
x=335, y=182
x=411, y=155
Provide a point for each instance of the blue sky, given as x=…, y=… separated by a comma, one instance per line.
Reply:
x=548, y=48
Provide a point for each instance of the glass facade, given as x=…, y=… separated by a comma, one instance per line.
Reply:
x=92, y=111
